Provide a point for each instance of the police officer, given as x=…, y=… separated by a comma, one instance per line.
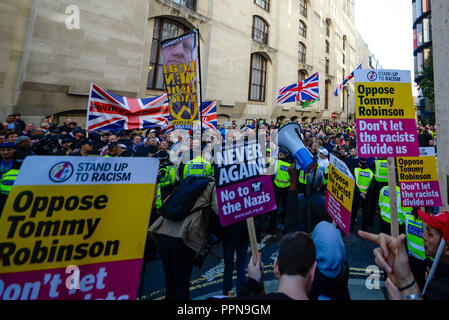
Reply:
x=7, y=182
x=166, y=173
x=281, y=182
x=197, y=166
x=415, y=245
x=363, y=178
x=380, y=169
x=384, y=205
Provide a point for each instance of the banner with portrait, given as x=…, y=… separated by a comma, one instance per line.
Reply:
x=180, y=61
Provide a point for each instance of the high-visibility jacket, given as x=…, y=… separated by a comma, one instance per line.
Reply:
x=415, y=242
x=168, y=176
x=326, y=172
x=197, y=167
x=282, y=178
x=303, y=177
x=107, y=156
x=384, y=205
x=363, y=178
x=381, y=172
x=7, y=181
x=158, y=197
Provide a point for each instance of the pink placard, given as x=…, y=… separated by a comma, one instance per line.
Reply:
x=246, y=199
x=117, y=280
x=387, y=138
x=421, y=194
x=338, y=212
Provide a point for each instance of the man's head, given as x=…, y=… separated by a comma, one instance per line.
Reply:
x=29, y=127
x=112, y=139
x=435, y=228
x=66, y=143
x=353, y=152
x=164, y=146
x=11, y=137
x=324, y=153
x=23, y=142
x=2, y=137
x=87, y=145
x=7, y=150
x=179, y=53
x=137, y=139
x=362, y=163
x=10, y=118
x=78, y=134
x=17, y=116
x=431, y=143
x=114, y=149
x=297, y=257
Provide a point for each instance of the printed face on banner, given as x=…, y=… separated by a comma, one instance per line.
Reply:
x=386, y=125
x=180, y=76
x=70, y=214
x=244, y=187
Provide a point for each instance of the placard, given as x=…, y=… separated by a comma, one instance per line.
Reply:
x=386, y=125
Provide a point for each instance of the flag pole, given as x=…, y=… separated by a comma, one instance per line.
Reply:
x=200, y=105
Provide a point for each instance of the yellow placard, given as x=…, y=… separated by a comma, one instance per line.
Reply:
x=49, y=227
x=413, y=169
x=341, y=187
x=384, y=100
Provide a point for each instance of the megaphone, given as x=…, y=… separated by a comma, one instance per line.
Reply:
x=289, y=137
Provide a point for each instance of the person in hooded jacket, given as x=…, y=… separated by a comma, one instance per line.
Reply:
x=332, y=271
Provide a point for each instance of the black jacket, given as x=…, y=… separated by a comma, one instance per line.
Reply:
x=253, y=291
x=335, y=289
x=438, y=288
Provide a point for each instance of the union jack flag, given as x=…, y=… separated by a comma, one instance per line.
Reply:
x=108, y=111
x=307, y=89
x=351, y=75
x=209, y=114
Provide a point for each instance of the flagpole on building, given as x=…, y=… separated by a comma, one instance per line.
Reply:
x=200, y=105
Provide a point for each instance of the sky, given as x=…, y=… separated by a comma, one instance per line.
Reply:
x=387, y=27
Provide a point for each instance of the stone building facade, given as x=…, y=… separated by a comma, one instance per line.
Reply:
x=249, y=49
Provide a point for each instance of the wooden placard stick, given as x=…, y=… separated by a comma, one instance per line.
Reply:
x=253, y=243
x=393, y=198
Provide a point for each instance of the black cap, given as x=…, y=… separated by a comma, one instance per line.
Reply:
x=163, y=155
x=87, y=141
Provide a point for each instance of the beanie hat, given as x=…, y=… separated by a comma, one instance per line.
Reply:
x=330, y=249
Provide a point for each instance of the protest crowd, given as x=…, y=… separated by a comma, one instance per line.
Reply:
x=311, y=263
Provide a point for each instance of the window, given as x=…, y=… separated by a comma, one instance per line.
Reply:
x=326, y=95
x=326, y=64
x=344, y=58
x=303, y=7
x=302, y=29
x=163, y=29
x=345, y=92
x=302, y=75
x=328, y=28
x=265, y=4
x=302, y=52
x=260, y=30
x=257, y=78
x=186, y=3
x=344, y=42
x=327, y=47
x=418, y=8
x=419, y=34
x=344, y=72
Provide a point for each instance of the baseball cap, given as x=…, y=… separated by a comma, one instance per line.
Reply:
x=324, y=151
x=7, y=145
x=439, y=221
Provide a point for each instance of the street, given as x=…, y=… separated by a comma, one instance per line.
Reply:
x=207, y=281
